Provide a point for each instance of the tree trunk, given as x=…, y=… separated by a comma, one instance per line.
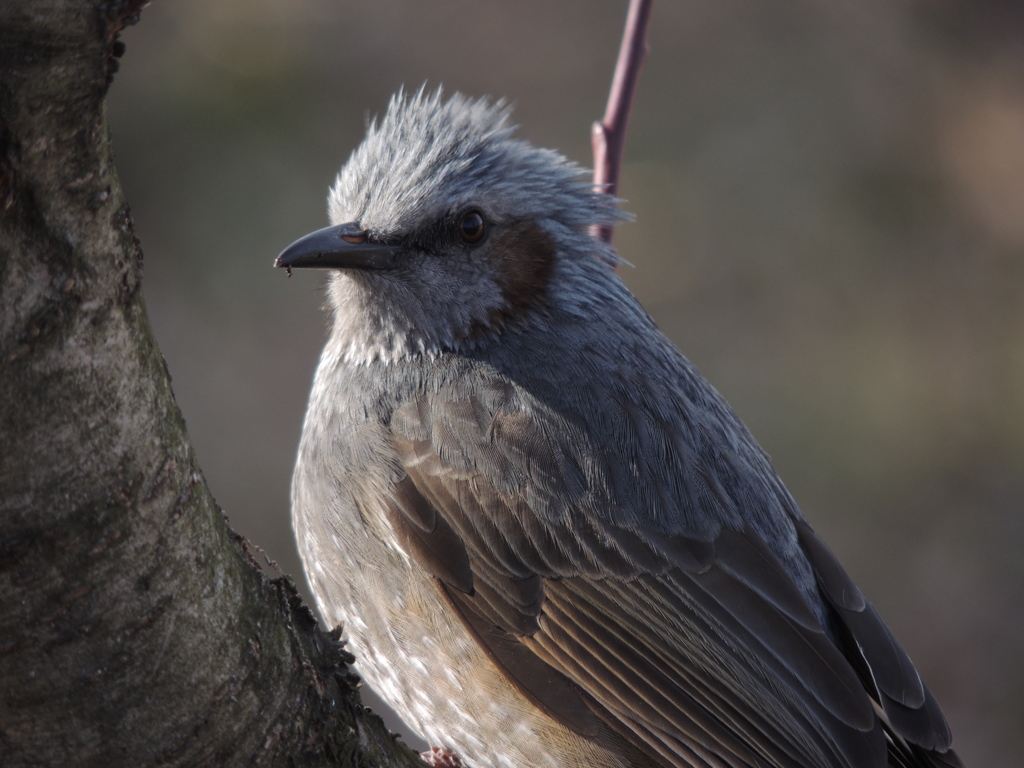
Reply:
x=135, y=627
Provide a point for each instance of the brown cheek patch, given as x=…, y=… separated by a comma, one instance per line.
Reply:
x=524, y=257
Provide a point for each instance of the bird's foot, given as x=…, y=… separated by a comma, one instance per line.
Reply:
x=438, y=757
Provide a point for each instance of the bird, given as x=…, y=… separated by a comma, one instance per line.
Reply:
x=548, y=538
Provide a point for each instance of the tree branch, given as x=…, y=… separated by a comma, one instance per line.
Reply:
x=608, y=137
x=135, y=628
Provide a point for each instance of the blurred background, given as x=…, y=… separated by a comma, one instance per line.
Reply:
x=830, y=223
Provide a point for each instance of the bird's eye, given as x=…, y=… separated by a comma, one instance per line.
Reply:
x=471, y=227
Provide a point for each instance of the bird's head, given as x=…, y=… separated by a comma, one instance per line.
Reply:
x=446, y=229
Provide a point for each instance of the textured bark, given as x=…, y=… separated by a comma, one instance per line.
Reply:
x=135, y=629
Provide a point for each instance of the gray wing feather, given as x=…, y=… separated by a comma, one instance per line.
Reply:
x=696, y=644
x=909, y=705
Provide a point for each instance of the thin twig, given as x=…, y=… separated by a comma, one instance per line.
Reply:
x=608, y=137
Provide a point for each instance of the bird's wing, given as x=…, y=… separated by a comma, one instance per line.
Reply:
x=700, y=650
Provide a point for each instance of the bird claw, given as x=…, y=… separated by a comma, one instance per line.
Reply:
x=438, y=757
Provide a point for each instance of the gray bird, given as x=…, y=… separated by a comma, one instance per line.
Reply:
x=550, y=541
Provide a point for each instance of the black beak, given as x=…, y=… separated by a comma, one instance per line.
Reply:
x=342, y=247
